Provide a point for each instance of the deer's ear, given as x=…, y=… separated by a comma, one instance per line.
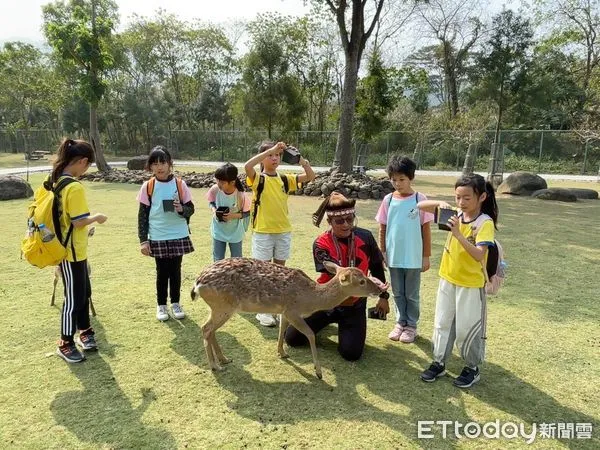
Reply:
x=331, y=267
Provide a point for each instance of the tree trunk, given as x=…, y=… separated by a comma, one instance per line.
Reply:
x=343, y=149
x=469, y=166
x=96, y=144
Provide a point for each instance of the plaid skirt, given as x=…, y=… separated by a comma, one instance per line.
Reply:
x=171, y=248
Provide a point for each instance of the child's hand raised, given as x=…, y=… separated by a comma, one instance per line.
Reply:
x=277, y=148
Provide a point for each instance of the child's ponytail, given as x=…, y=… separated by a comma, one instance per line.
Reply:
x=238, y=185
x=228, y=172
x=489, y=205
x=70, y=150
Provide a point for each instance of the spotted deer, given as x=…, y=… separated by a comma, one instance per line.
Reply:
x=249, y=285
x=58, y=276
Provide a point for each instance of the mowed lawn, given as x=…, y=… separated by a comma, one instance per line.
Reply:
x=149, y=385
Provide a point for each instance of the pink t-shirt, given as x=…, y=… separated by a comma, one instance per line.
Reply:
x=382, y=214
x=211, y=196
x=142, y=196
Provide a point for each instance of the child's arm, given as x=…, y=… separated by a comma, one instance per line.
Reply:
x=143, y=225
x=381, y=237
x=426, y=236
x=431, y=205
x=308, y=174
x=257, y=159
x=476, y=252
x=100, y=218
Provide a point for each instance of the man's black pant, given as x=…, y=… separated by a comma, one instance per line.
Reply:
x=352, y=328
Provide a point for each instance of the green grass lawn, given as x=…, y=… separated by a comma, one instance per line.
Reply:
x=149, y=386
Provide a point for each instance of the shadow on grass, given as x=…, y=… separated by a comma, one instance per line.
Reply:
x=116, y=425
x=375, y=387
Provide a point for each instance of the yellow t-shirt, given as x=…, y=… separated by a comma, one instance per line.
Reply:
x=73, y=206
x=457, y=265
x=272, y=214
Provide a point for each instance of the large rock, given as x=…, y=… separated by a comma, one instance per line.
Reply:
x=522, y=183
x=137, y=163
x=585, y=193
x=13, y=187
x=560, y=194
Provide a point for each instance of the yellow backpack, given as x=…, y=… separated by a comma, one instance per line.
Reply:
x=44, y=244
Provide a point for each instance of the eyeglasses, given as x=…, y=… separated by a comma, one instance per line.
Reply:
x=341, y=220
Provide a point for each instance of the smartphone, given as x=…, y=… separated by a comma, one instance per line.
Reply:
x=442, y=216
x=373, y=313
x=220, y=211
x=168, y=206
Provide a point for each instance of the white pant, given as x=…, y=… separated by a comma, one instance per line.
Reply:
x=268, y=246
x=460, y=315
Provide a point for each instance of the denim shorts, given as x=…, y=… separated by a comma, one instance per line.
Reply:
x=267, y=246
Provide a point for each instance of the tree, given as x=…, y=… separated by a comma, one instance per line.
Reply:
x=212, y=105
x=503, y=68
x=80, y=32
x=272, y=94
x=374, y=99
x=354, y=40
x=454, y=23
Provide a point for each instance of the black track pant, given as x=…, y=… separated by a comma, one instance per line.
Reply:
x=352, y=328
x=168, y=276
x=75, y=310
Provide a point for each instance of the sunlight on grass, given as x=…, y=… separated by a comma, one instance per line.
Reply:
x=149, y=385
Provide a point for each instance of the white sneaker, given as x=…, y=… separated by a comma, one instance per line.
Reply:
x=177, y=311
x=266, y=320
x=162, y=313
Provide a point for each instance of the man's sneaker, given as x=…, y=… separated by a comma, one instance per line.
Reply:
x=162, y=313
x=435, y=371
x=467, y=378
x=87, y=341
x=408, y=335
x=396, y=332
x=177, y=311
x=266, y=320
x=69, y=352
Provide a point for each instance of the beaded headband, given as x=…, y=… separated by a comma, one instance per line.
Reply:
x=340, y=212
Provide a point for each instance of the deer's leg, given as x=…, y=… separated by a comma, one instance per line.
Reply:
x=218, y=321
x=206, y=331
x=298, y=322
x=283, y=324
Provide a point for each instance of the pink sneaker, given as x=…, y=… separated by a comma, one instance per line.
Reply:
x=396, y=332
x=408, y=335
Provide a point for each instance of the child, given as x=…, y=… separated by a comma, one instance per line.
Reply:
x=460, y=312
x=230, y=229
x=271, y=239
x=405, y=240
x=163, y=230
x=73, y=160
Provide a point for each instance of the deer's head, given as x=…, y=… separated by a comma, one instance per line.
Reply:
x=353, y=282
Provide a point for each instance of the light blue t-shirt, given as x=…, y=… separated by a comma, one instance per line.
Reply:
x=233, y=230
x=165, y=225
x=403, y=240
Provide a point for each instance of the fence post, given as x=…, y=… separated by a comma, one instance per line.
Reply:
x=222, y=149
x=585, y=153
x=540, y=156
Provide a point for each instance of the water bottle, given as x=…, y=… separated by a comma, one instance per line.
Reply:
x=47, y=235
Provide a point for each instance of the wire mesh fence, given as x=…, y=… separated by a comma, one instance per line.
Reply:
x=539, y=151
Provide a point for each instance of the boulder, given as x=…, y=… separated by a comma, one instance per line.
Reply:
x=522, y=183
x=14, y=187
x=560, y=194
x=585, y=193
x=137, y=163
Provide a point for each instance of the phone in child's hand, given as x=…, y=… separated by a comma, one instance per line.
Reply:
x=374, y=313
x=168, y=206
x=220, y=211
x=442, y=216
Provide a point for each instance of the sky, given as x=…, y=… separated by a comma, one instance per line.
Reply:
x=21, y=20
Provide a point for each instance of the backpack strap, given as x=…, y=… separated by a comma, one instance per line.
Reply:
x=284, y=179
x=56, y=210
x=259, y=190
